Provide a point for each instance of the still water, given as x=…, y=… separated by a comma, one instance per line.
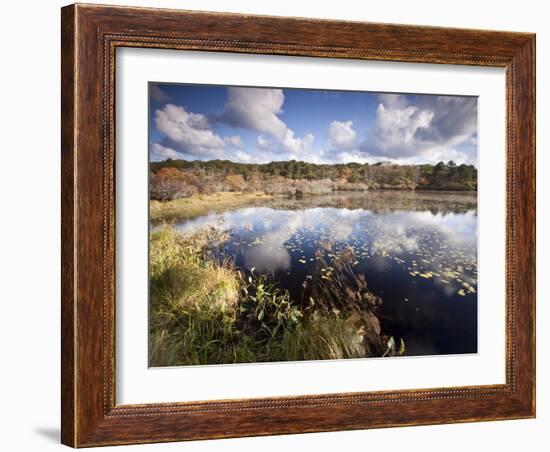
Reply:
x=417, y=250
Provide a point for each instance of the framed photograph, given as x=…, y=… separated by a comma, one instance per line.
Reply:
x=281, y=225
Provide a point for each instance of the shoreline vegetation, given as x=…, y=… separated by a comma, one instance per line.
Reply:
x=206, y=311
x=198, y=205
x=166, y=212
x=181, y=189
x=175, y=179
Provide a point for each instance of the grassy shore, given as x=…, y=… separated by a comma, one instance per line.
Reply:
x=204, y=311
x=380, y=200
x=197, y=205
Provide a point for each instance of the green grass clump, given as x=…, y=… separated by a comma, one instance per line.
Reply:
x=204, y=311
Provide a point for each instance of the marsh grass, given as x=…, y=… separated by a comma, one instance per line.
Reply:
x=205, y=311
x=197, y=205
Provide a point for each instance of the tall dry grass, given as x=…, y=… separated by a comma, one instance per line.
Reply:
x=204, y=311
x=197, y=205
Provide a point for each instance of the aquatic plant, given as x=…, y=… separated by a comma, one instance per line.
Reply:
x=205, y=311
x=339, y=288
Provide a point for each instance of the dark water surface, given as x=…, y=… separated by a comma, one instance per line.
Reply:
x=417, y=250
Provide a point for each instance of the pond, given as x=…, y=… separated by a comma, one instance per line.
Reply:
x=417, y=251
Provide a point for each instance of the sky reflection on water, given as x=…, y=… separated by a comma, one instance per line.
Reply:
x=421, y=259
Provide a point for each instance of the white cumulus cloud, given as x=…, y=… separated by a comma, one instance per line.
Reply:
x=431, y=130
x=187, y=132
x=342, y=135
x=397, y=128
x=258, y=109
x=264, y=143
x=234, y=141
x=296, y=145
x=162, y=152
x=255, y=109
x=243, y=156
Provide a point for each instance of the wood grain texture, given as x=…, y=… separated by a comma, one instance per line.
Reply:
x=90, y=36
x=68, y=244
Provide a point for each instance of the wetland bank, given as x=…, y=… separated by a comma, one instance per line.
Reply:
x=348, y=275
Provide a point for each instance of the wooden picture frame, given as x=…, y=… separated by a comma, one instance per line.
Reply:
x=90, y=36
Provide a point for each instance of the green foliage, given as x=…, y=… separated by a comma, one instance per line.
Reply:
x=449, y=176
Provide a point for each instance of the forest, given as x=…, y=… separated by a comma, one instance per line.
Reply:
x=175, y=179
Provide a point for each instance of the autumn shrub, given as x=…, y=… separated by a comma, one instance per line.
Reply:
x=170, y=183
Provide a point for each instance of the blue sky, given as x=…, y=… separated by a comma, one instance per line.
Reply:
x=260, y=125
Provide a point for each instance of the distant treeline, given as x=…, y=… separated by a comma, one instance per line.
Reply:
x=173, y=179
